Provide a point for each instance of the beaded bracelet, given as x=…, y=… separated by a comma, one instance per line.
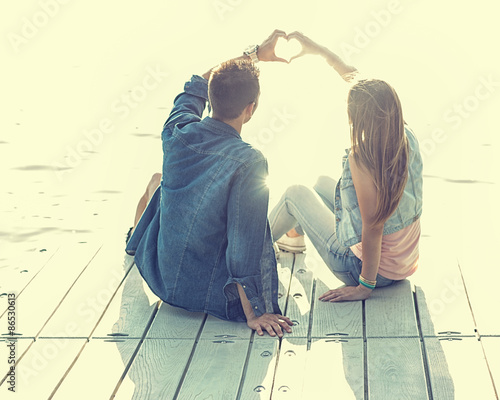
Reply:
x=367, y=283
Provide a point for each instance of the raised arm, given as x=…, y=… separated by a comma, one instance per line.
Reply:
x=265, y=51
x=190, y=104
x=347, y=72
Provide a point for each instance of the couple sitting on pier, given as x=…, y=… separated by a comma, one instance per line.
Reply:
x=202, y=237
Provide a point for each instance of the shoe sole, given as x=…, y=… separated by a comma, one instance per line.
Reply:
x=291, y=249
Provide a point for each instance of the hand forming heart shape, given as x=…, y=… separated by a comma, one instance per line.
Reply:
x=289, y=46
x=288, y=49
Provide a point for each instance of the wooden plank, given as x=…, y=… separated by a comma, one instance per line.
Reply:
x=175, y=323
x=434, y=320
x=395, y=369
x=285, y=268
x=332, y=319
x=130, y=311
x=42, y=297
x=290, y=370
x=440, y=292
x=215, y=370
x=157, y=370
x=259, y=375
x=97, y=370
x=334, y=369
x=216, y=329
x=300, y=297
x=390, y=312
x=479, y=290
x=42, y=366
x=20, y=346
x=22, y=270
x=457, y=369
x=478, y=267
x=491, y=347
x=85, y=303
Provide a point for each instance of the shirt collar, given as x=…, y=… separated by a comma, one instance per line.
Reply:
x=220, y=127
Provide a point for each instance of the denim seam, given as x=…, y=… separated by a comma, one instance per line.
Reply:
x=218, y=153
x=413, y=191
x=240, y=171
x=272, y=223
x=237, y=219
x=209, y=184
x=212, y=279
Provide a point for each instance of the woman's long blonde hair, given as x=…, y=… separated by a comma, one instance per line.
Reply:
x=379, y=142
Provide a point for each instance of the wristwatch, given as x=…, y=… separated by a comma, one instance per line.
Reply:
x=251, y=51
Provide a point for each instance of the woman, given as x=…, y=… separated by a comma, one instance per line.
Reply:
x=366, y=227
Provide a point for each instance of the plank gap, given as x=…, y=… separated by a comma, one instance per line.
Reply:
x=311, y=315
x=365, y=349
x=280, y=341
x=468, y=298
x=32, y=278
x=67, y=292
x=284, y=313
x=489, y=368
x=423, y=349
x=245, y=366
x=289, y=285
x=127, y=272
x=134, y=354
x=18, y=360
x=67, y=371
x=184, y=373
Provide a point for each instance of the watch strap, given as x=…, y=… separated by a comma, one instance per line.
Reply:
x=252, y=53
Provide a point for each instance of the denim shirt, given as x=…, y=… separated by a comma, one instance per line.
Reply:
x=206, y=227
x=348, y=216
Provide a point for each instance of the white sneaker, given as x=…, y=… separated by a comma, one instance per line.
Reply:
x=292, y=245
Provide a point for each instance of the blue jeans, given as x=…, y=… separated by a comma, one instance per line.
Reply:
x=311, y=213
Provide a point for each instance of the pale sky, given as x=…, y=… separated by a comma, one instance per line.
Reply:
x=73, y=67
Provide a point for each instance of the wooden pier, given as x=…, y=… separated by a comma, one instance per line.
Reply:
x=88, y=327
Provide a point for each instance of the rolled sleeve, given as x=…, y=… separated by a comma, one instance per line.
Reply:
x=190, y=104
x=247, y=223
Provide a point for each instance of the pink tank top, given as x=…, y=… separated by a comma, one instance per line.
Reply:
x=399, y=256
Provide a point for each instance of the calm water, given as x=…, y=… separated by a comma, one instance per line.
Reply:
x=87, y=89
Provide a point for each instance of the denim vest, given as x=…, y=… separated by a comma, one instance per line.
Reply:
x=348, y=215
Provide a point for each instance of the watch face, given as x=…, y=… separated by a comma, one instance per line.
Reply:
x=250, y=49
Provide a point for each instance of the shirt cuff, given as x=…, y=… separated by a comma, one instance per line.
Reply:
x=197, y=86
x=258, y=305
x=256, y=301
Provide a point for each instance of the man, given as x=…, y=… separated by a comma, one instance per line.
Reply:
x=202, y=239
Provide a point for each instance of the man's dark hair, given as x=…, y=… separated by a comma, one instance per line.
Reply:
x=233, y=86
